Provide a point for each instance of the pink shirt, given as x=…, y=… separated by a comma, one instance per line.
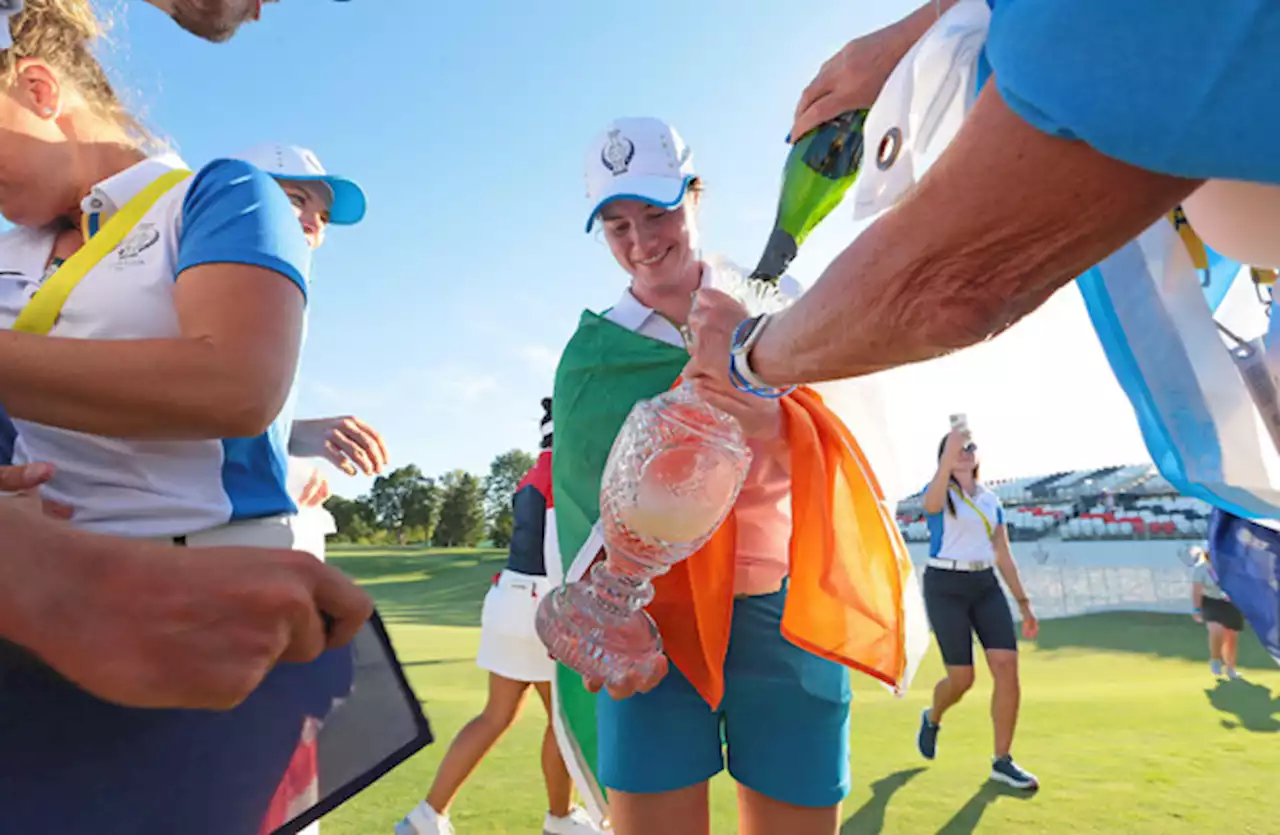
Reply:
x=763, y=511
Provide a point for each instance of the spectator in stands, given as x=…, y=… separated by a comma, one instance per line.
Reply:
x=515, y=658
x=968, y=540
x=1216, y=611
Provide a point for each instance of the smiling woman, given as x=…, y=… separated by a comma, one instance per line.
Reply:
x=758, y=649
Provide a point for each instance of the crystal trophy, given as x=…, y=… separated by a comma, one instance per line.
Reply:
x=671, y=478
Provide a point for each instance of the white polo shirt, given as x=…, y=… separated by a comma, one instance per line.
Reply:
x=964, y=536
x=228, y=212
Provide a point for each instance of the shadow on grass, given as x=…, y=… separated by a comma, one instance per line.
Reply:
x=423, y=587
x=869, y=818
x=1253, y=705
x=1147, y=633
x=966, y=820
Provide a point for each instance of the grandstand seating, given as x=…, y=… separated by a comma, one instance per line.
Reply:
x=1120, y=502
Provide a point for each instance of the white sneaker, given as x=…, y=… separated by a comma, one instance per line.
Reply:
x=577, y=822
x=1233, y=674
x=424, y=820
x=1215, y=667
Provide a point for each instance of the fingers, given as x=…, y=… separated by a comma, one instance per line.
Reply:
x=818, y=89
x=374, y=445
x=335, y=456
x=28, y=477
x=820, y=111
x=353, y=444
x=360, y=444
x=316, y=492
x=723, y=402
x=348, y=606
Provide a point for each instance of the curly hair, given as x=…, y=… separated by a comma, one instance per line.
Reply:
x=62, y=33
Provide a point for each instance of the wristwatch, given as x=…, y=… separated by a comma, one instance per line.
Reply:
x=744, y=339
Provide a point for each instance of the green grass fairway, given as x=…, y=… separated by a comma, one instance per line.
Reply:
x=1121, y=721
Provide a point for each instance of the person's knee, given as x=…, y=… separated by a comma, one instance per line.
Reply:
x=960, y=680
x=500, y=713
x=1004, y=666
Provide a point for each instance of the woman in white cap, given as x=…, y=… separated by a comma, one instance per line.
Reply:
x=320, y=199
x=150, y=323
x=778, y=702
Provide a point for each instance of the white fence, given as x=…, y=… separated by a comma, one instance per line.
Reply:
x=1067, y=591
x=1065, y=579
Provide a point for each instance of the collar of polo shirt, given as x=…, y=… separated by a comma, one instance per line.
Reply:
x=107, y=197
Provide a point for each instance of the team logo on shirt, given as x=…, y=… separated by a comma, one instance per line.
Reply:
x=617, y=153
x=143, y=237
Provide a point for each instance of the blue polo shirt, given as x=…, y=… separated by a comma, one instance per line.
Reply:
x=1185, y=89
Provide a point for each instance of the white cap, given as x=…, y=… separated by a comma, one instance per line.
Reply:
x=291, y=162
x=639, y=158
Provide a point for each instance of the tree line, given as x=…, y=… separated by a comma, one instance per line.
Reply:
x=455, y=510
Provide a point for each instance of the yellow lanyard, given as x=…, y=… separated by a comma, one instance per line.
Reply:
x=42, y=311
x=1195, y=246
x=986, y=523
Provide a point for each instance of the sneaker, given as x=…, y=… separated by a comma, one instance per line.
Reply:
x=1215, y=667
x=1233, y=674
x=577, y=822
x=1007, y=771
x=927, y=738
x=424, y=820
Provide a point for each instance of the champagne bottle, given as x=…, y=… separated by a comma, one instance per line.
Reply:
x=818, y=172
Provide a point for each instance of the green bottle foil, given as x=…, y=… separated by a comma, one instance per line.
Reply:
x=819, y=171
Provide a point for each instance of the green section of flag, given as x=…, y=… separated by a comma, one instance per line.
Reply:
x=604, y=371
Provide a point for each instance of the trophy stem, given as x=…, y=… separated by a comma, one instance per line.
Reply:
x=619, y=593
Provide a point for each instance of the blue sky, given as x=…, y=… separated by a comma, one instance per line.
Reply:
x=440, y=317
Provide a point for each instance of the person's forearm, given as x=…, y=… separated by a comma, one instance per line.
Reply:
x=935, y=495
x=1009, y=570
x=1005, y=217
x=166, y=389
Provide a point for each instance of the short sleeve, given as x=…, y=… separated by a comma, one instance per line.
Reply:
x=234, y=213
x=1159, y=89
x=999, y=512
x=1200, y=574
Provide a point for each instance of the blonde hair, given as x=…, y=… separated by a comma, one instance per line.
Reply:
x=62, y=33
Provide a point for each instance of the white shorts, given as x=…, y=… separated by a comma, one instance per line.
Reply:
x=509, y=644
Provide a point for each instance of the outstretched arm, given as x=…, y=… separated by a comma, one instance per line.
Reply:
x=1005, y=217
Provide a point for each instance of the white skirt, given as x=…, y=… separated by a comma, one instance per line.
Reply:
x=509, y=644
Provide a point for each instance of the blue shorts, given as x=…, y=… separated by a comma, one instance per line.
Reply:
x=784, y=720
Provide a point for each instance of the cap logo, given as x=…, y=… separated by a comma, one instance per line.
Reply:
x=617, y=153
